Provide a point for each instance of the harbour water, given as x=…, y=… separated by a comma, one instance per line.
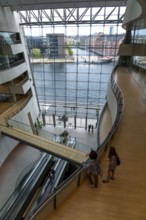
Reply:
x=78, y=84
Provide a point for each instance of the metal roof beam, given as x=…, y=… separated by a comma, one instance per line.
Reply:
x=68, y=16
x=19, y=5
x=71, y=22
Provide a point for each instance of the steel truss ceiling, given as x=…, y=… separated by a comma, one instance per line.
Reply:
x=19, y=5
x=72, y=16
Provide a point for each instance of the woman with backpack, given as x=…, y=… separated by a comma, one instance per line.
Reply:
x=113, y=161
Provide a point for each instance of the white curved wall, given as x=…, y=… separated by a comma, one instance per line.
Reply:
x=21, y=120
x=12, y=73
x=112, y=102
x=6, y=146
x=7, y=20
x=9, y=23
x=133, y=11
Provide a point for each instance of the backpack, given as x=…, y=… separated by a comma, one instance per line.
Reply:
x=118, y=161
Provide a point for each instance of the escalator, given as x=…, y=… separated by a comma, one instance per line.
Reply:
x=61, y=171
x=17, y=203
x=37, y=185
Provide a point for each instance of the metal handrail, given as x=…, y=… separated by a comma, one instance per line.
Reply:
x=120, y=106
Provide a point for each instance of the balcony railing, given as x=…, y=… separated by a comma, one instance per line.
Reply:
x=11, y=65
x=10, y=42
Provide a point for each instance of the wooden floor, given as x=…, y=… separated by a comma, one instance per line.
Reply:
x=125, y=197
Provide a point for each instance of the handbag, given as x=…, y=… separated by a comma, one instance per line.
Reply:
x=118, y=161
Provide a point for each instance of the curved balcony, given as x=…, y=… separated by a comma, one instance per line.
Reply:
x=132, y=15
x=20, y=87
x=11, y=49
x=11, y=109
x=132, y=50
x=12, y=71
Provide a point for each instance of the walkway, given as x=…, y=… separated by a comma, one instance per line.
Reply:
x=124, y=198
x=43, y=144
x=36, y=141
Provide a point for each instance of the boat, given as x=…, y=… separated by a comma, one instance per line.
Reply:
x=98, y=60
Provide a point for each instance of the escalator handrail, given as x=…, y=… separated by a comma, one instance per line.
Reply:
x=26, y=187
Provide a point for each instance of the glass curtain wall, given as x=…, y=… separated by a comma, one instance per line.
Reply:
x=72, y=58
x=138, y=36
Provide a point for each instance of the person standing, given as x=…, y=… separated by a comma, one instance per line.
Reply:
x=52, y=175
x=112, y=164
x=92, y=127
x=89, y=127
x=93, y=169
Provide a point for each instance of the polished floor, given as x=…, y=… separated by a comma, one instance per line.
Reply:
x=125, y=197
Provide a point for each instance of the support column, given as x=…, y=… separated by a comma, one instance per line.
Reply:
x=44, y=119
x=86, y=123
x=75, y=122
x=64, y=121
x=31, y=124
x=54, y=121
x=14, y=95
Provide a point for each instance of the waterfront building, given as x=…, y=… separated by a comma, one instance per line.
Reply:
x=56, y=46
x=108, y=45
x=38, y=42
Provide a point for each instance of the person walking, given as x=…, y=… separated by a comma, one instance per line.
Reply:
x=89, y=127
x=113, y=160
x=93, y=169
x=52, y=175
x=92, y=127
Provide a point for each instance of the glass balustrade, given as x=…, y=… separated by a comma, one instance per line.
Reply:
x=63, y=139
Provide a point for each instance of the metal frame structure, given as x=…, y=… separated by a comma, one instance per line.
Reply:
x=67, y=16
x=45, y=14
x=22, y=5
x=74, y=17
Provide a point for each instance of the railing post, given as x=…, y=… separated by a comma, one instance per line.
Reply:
x=79, y=178
x=55, y=206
